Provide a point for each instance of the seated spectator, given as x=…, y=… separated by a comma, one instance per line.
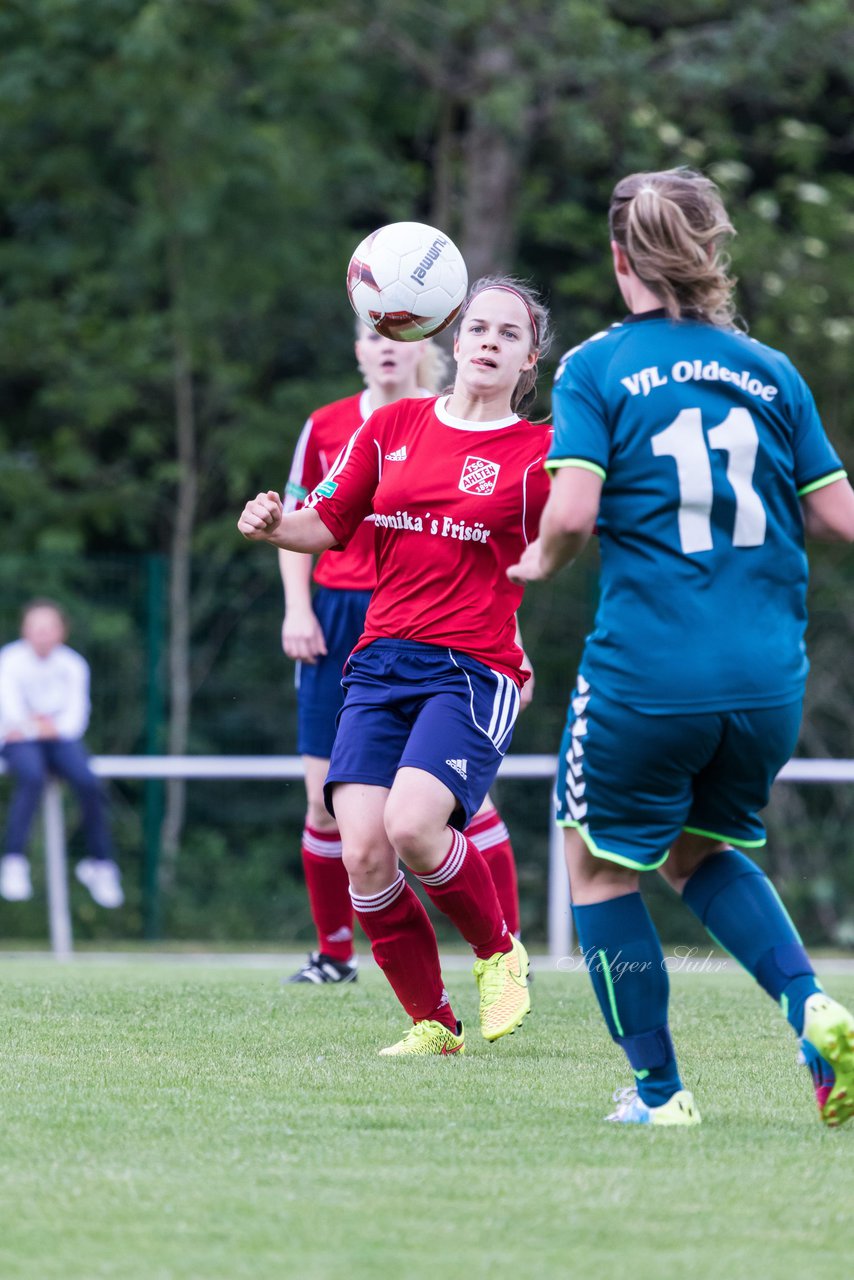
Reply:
x=44, y=712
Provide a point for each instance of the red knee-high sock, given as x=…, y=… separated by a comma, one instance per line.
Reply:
x=462, y=887
x=490, y=835
x=404, y=945
x=328, y=892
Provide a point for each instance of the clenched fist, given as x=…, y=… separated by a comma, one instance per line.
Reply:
x=261, y=516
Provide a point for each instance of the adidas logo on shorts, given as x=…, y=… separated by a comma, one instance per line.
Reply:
x=399, y=455
x=459, y=766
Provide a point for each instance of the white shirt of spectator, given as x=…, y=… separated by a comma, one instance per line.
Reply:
x=56, y=686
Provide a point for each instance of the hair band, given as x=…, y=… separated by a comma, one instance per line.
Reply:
x=506, y=288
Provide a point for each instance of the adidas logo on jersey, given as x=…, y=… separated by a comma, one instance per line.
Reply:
x=399, y=455
x=459, y=766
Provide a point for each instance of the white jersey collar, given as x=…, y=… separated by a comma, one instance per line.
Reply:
x=463, y=424
x=366, y=408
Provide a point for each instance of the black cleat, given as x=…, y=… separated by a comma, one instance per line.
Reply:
x=321, y=968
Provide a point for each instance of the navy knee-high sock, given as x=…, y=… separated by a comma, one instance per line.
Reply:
x=626, y=965
x=742, y=912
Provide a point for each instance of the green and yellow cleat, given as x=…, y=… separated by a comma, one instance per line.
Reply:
x=827, y=1048
x=502, y=981
x=631, y=1109
x=428, y=1036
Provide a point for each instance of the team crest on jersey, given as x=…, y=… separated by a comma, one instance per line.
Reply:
x=479, y=476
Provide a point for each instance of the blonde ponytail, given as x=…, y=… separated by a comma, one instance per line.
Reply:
x=673, y=227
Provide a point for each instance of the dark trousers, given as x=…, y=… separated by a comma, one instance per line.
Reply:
x=30, y=763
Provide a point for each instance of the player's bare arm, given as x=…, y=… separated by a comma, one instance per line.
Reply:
x=526, y=693
x=829, y=512
x=568, y=520
x=302, y=635
x=263, y=520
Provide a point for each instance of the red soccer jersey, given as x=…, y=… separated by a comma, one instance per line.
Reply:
x=455, y=503
x=321, y=440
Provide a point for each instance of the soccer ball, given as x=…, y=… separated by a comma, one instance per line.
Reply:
x=407, y=281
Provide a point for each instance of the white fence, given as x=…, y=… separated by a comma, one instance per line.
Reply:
x=243, y=768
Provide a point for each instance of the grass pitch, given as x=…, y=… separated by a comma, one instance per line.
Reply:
x=175, y=1122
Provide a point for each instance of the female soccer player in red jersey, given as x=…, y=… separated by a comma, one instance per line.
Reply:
x=320, y=630
x=456, y=486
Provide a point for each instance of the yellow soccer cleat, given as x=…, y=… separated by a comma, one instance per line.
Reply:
x=428, y=1036
x=630, y=1109
x=502, y=981
x=827, y=1048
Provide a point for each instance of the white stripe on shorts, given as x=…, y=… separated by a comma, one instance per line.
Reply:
x=505, y=706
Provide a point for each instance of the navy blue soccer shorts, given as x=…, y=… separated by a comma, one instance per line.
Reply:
x=320, y=696
x=424, y=707
x=631, y=782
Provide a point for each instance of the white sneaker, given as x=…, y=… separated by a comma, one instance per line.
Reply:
x=680, y=1108
x=15, y=883
x=103, y=880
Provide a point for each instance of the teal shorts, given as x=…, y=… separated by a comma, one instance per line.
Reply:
x=631, y=782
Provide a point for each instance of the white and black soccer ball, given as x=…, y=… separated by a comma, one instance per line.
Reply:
x=407, y=281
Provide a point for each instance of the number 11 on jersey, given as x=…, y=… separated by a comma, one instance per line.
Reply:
x=684, y=441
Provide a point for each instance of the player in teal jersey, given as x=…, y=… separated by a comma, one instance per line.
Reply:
x=699, y=456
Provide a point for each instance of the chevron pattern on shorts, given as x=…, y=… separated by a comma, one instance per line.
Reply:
x=576, y=805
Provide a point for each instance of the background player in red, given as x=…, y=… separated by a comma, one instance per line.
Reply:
x=321, y=629
x=456, y=486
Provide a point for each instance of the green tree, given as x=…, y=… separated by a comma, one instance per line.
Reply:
x=180, y=189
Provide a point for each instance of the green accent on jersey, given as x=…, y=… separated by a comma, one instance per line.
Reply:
x=784, y=1004
x=612, y=857
x=555, y=464
x=612, y=999
x=641, y=1075
x=326, y=489
x=295, y=491
x=716, y=835
x=820, y=484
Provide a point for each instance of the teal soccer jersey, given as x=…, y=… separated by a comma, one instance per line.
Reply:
x=706, y=440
